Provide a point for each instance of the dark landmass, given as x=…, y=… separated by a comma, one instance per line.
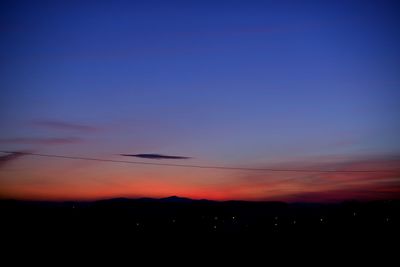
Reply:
x=177, y=227
x=201, y=229
x=175, y=215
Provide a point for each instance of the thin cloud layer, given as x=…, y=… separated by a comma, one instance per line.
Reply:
x=384, y=182
x=41, y=141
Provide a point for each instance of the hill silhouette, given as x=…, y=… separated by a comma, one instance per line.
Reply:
x=143, y=217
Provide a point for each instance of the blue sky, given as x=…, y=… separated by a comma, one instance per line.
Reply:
x=231, y=82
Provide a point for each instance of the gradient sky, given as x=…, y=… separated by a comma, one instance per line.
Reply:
x=280, y=84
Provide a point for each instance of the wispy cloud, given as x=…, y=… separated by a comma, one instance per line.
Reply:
x=65, y=126
x=10, y=157
x=154, y=156
x=383, y=182
x=41, y=141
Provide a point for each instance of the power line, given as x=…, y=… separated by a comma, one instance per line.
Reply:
x=197, y=166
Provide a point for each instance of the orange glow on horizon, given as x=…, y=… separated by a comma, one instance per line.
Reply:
x=81, y=181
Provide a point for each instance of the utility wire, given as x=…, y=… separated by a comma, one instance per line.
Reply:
x=197, y=166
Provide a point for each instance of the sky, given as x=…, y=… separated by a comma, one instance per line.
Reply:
x=253, y=84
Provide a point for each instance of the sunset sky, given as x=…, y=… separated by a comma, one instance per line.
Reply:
x=256, y=84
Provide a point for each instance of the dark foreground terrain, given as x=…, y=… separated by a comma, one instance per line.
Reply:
x=205, y=228
x=133, y=217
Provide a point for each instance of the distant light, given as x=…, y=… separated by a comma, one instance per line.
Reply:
x=215, y=227
x=215, y=218
x=321, y=219
x=276, y=218
x=276, y=224
x=137, y=224
x=354, y=214
x=233, y=217
x=387, y=219
x=173, y=221
x=294, y=222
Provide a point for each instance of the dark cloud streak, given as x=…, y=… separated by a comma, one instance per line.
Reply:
x=11, y=157
x=41, y=141
x=154, y=156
